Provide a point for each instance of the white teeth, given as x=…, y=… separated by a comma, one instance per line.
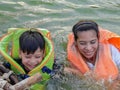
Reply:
x=88, y=53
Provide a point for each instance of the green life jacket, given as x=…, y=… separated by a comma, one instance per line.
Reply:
x=11, y=39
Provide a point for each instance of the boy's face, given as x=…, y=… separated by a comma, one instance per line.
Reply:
x=30, y=61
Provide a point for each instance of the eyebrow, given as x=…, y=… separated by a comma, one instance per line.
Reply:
x=90, y=40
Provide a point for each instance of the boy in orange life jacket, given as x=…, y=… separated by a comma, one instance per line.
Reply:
x=91, y=49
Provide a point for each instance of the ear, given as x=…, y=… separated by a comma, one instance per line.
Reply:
x=98, y=36
x=43, y=53
x=75, y=43
x=19, y=53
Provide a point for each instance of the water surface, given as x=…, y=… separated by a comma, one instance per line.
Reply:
x=58, y=16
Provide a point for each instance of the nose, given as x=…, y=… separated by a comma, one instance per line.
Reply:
x=88, y=47
x=33, y=62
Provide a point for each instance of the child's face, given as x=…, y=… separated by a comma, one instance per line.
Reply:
x=30, y=61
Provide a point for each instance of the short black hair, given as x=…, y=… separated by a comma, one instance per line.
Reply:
x=31, y=40
x=85, y=25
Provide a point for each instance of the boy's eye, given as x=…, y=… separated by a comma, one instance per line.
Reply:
x=38, y=56
x=28, y=56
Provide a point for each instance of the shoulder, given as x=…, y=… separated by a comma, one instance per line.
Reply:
x=114, y=49
x=115, y=54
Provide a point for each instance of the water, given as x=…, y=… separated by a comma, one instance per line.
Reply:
x=59, y=16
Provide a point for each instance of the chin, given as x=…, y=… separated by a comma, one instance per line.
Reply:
x=31, y=69
x=89, y=57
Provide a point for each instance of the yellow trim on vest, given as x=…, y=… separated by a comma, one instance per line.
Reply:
x=13, y=34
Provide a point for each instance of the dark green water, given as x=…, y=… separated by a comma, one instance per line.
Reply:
x=59, y=16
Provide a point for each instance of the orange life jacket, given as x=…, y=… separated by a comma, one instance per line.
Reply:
x=104, y=66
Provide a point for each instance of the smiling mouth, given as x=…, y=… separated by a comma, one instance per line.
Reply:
x=31, y=66
x=89, y=54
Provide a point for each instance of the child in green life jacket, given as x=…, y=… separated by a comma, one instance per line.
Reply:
x=32, y=49
x=35, y=51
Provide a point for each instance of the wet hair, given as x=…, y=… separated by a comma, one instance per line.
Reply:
x=30, y=41
x=85, y=25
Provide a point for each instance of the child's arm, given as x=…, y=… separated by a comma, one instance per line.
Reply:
x=73, y=71
x=27, y=82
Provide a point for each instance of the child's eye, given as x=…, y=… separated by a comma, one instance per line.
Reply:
x=28, y=56
x=38, y=56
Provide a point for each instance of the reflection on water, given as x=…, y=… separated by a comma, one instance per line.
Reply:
x=59, y=16
x=87, y=82
x=72, y=82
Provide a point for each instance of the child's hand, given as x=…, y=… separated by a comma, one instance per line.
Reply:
x=72, y=71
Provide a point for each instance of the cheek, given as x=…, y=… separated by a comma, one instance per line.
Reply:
x=96, y=45
x=80, y=47
x=24, y=61
x=39, y=60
